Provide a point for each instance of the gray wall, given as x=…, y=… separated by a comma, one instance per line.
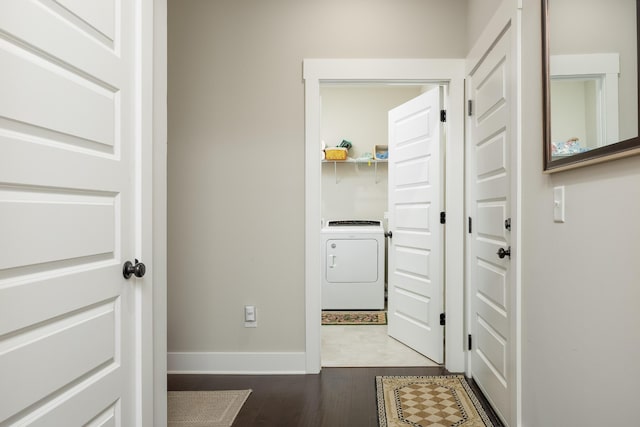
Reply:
x=479, y=13
x=236, y=151
x=581, y=279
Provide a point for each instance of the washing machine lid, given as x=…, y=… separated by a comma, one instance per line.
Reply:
x=354, y=223
x=350, y=226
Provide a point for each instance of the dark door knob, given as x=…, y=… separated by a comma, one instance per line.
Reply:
x=389, y=234
x=503, y=253
x=138, y=269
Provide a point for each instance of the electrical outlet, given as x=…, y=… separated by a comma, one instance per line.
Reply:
x=250, y=316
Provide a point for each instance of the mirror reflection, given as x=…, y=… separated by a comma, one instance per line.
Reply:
x=592, y=74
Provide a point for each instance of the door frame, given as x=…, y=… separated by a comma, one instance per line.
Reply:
x=418, y=71
x=154, y=127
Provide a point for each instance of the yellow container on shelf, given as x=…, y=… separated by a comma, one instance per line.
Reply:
x=336, y=153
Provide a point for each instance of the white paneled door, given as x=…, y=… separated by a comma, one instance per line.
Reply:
x=415, y=289
x=491, y=287
x=69, y=173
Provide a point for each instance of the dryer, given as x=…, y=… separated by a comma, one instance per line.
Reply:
x=353, y=265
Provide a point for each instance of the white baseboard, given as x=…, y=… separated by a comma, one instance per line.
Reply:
x=236, y=363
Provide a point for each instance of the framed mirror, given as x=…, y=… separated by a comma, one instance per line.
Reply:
x=590, y=60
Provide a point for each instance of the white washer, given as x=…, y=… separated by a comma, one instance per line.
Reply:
x=353, y=265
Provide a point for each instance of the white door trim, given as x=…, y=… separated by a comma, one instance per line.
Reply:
x=154, y=394
x=382, y=70
x=150, y=222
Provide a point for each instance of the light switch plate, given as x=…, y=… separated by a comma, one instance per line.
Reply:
x=558, y=204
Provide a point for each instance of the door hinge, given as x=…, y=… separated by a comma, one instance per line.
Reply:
x=443, y=217
x=443, y=116
x=470, y=225
x=469, y=342
x=507, y=224
x=469, y=108
x=443, y=319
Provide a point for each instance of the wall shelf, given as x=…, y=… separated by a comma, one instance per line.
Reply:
x=373, y=162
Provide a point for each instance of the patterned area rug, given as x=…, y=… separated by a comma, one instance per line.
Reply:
x=204, y=408
x=354, y=317
x=436, y=401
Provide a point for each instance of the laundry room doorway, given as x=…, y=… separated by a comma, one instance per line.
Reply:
x=355, y=216
x=448, y=72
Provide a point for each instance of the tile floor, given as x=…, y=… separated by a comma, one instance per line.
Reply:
x=366, y=346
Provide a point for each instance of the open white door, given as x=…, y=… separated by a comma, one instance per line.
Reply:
x=415, y=289
x=489, y=183
x=70, y=140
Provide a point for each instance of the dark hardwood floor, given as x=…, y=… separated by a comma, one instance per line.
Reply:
x=337, y=397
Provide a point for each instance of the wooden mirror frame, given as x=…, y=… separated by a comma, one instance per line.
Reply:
x=625, y=148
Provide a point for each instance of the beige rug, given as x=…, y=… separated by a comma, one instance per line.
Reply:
x=204, y=408
x=433, y=401
x=354, y=317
